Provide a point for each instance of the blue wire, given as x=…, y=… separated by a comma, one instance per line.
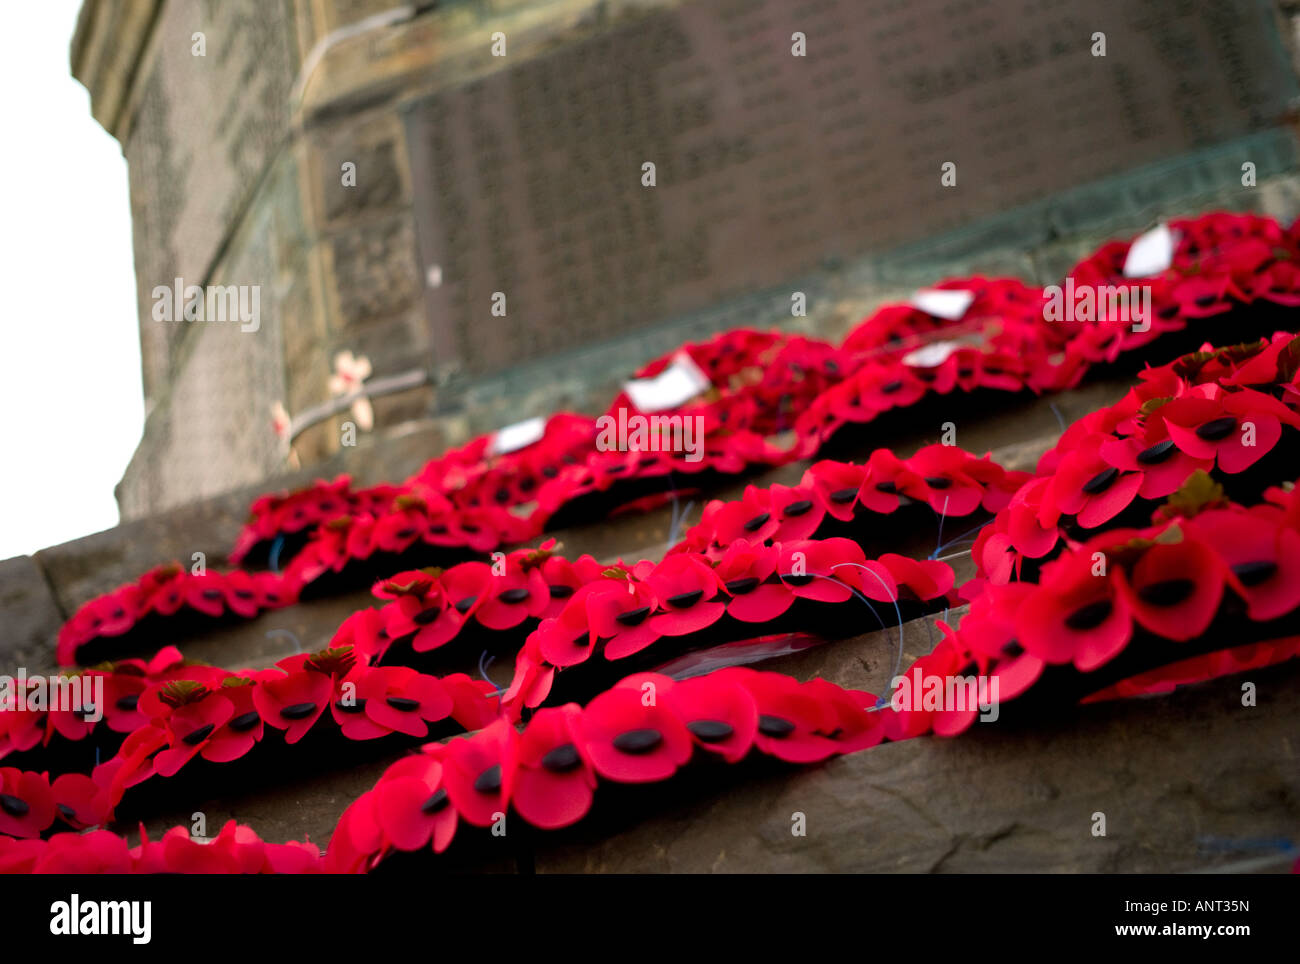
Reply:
x=897, y=610
x=276, y=547
x=482, y=671
x=943, y=515
x=957, y=541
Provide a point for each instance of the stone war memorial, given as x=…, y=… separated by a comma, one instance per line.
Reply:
x=690, y=436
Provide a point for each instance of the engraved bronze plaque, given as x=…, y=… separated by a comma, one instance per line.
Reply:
x=529, y=182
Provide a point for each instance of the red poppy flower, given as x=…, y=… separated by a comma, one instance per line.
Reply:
x=1237, y=428
x=748, y=518
x=238, y=734
x=292, y=701
x=206, y=592
x=1164, y=466
x=1174, y=589
x=109, y=615
x=21, y=729
x=532, y=680
x=190, y=727
x=21, y=856
x=924, y=579
x=163, y=589
x=562, y=577
x=275, y=590
x=484, y=528
x=357, y=838
x=944, y=482
x=402, y=700
x=242, y=594
x=133, y=762
x=846, y=719
x=549, y=781
x=1207, y=666
x=512, y=597
x=122, y=689
x=358, y=536
x=74, y=722
x=420, y=611
x=412, y=806
x=1078, y=613
x=630, y=741
x=988, y=632
x=1263, y=557
x=292, y=857
x=836, y=485
x=98, y=852
x=405, y=524
x=181, y=854
x=1278, y=283
x=793, y=724
x=1087, y=487
x=1203, y=296
x=747, y=571
x=618, y=612
x=689, y=593
x=474, y=702
x=910, y=710
x=877, y=388
x=887, y=478
x=365, y=632
x=467, y=586
x=80, y=801
x=998, y=483
x=1025, y=515
x=26, y=803
x=719, y=713
x=804, y=566
x=348, y=706
x=473, y=773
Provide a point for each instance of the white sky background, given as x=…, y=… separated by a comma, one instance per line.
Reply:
x=70, y=394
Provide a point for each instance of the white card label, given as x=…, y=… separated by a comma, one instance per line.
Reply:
x=677, y=384
x=943, y=303
x=512, y=438
x=931, y=356
x=1150, y=254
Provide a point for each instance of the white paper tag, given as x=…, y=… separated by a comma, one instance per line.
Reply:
x=943, y=303
x=512, y=438
x=932, y=355
x=1150, y=254
x=677, y=384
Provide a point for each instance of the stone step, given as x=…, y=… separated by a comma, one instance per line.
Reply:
x=1014, y=797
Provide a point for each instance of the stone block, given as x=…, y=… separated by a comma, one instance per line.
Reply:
x=32, y=616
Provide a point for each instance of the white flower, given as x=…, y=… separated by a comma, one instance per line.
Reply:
x=349, y=374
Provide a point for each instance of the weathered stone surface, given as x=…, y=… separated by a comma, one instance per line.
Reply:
x=31, y=615
x=207, y=123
